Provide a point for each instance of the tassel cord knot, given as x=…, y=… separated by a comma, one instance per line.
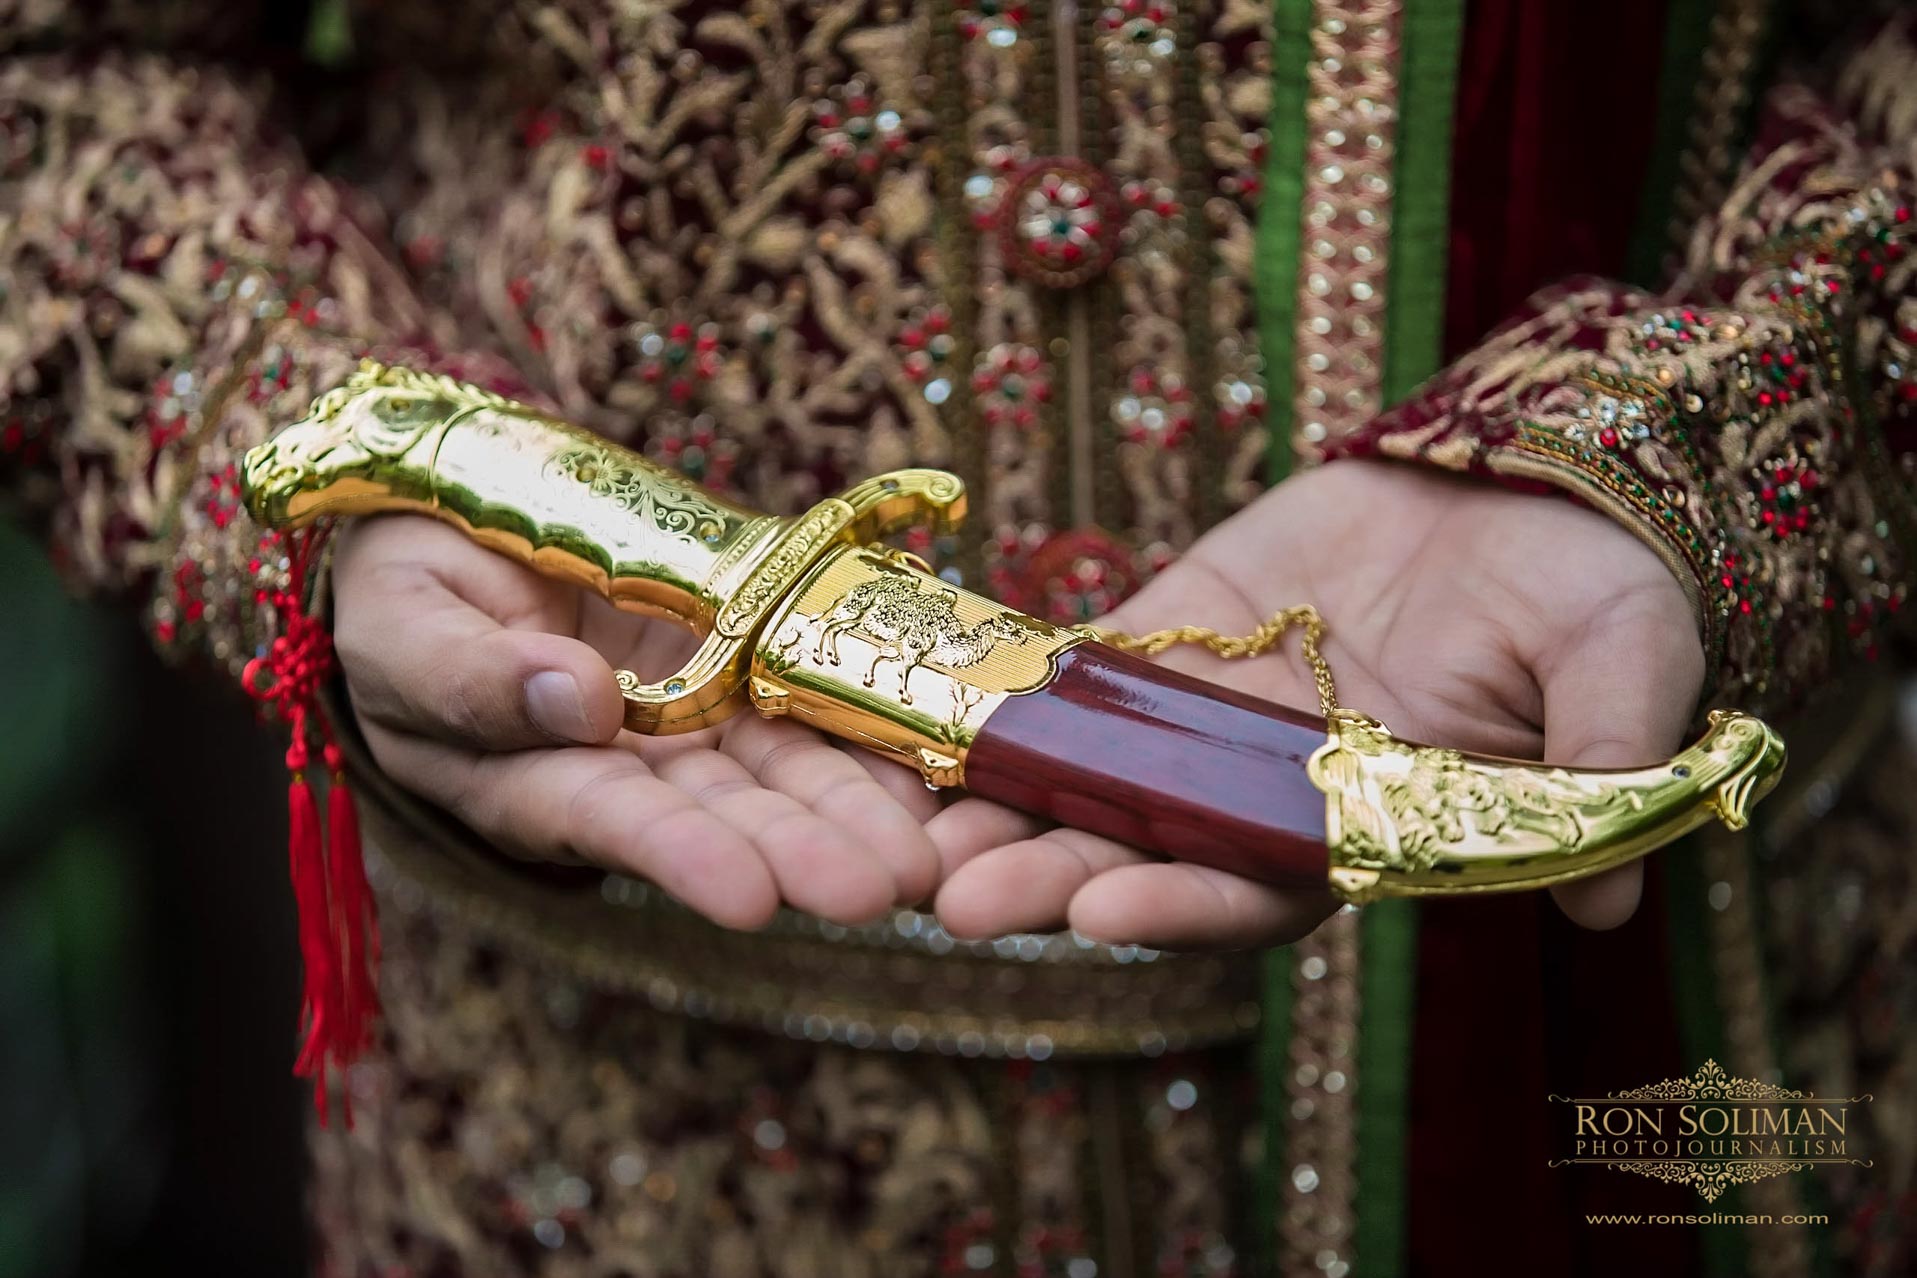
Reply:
x=338, y=929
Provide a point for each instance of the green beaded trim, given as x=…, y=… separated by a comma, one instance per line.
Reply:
x=1626, y=484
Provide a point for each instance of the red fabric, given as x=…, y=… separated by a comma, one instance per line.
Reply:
x=306, y=866
x=1555, y=125
x=1515, y=1003
x=354, y=916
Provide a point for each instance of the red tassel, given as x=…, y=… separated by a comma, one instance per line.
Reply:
x=320, y=997
x=338, y=931
x=353, y=915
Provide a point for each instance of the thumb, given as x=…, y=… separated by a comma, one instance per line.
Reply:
x=420, y=659
x=1620, y=695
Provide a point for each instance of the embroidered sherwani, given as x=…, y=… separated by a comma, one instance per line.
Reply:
x=1119, y=267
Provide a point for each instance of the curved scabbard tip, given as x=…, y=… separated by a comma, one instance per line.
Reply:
x=1758, y=759
x=1412, y=820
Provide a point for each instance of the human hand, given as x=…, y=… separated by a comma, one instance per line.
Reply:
x=489, y=690
x=1459, y=613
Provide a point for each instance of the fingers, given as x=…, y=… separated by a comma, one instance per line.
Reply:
x=815, y=866
x=1026, y=886
x=1603, y=901
x=420, y=659
x=462, y=666
x=492, y=689
x=1621, y=695
x=1101, y=889
x=899, y=780
x=972, y=826
x=597, y=804
x=1181, y=906
x=695, y=822
x=845, y=794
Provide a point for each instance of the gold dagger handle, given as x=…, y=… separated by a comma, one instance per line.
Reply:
x=578, y=508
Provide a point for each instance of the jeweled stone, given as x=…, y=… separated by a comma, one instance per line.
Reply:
x=1136, y=36
x=851, y=127
x=1009, y=382
x=1066, y=577
x=1059, y=222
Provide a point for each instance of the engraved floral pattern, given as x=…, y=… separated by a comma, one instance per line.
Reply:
x=673, y=506
x=1711, y=1179
x=1710, y=1082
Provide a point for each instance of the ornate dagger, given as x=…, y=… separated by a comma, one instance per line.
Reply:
x=812, y=617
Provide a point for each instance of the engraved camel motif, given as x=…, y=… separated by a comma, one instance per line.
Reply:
x=912, y=627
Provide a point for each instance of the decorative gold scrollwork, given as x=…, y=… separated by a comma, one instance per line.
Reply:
x=669, y=502
x=1412, y=820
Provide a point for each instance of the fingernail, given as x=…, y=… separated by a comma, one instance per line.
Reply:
x=553, y=701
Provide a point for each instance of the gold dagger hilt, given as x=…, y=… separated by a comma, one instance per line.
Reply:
x=580, y=509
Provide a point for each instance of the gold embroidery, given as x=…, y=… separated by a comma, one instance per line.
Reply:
x=1318, y=1190
x=1351, y=112
x=1723, y=92
x=1338, y=341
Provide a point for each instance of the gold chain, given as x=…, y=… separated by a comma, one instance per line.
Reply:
x=1304, y=618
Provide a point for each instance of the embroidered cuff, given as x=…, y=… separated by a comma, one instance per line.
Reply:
x=1754, y=443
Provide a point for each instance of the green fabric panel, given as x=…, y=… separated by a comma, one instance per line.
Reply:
x=1273, y=1040
x=1687, y=30
x=1275, y=270
x=1420, y=215
x=1700, y=1021
x=1414, y=337
x=1389, y=931
x=1275, y=287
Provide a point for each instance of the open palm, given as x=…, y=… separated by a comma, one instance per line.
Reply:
x=1459, y=614
x=489, y=690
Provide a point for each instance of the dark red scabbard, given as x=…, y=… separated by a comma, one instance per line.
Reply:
x=1162, y=761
